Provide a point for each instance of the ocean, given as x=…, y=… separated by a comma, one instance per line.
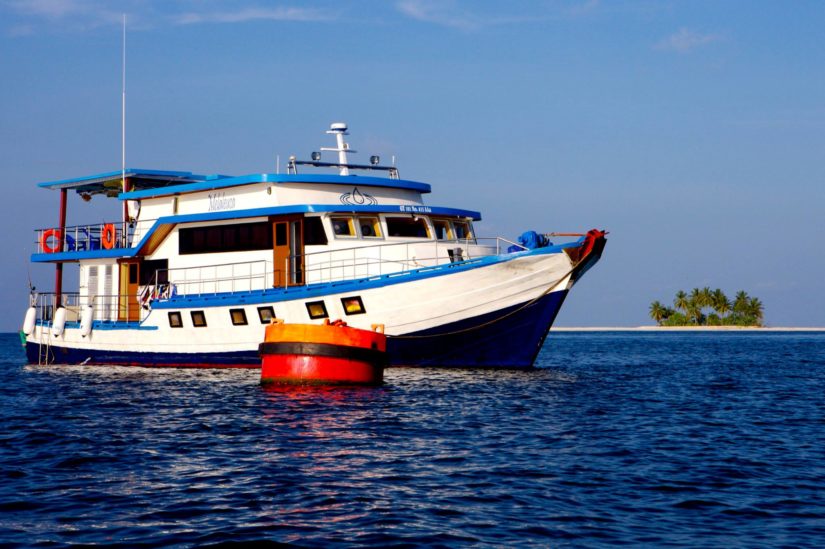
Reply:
x=616, y=438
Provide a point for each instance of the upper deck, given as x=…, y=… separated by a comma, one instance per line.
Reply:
x=155, y=202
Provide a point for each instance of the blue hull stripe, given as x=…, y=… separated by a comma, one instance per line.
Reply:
x=508, y=338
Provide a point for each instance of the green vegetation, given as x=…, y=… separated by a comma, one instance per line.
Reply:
x=708, y=307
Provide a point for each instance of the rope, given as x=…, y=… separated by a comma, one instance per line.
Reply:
x=489, y=322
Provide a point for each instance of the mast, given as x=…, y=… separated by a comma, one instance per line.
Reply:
x=339, y=129
x=123, y=183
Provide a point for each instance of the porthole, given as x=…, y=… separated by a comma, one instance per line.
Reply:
x=266, y=314
x=353, y=305
x=175, y=320
x=317, y=309
x=238, y=317
x=198, y=319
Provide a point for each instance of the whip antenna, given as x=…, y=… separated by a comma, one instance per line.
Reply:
x=123, y=111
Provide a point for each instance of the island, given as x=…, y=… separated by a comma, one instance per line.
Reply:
x=708, y=307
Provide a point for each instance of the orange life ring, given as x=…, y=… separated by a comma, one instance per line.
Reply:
x=44, y=241
x=107, y=236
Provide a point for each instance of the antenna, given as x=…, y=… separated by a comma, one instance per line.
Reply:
x=123, y=112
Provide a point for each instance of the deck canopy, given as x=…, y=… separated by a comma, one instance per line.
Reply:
x=110, y=183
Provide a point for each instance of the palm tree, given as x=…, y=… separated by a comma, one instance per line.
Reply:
x=681, y=301
x=695, y=305
x=740, y=304
x=721, y=304
x=657, y=312
x=706, y=297
x=756, y=310
x=694, y=312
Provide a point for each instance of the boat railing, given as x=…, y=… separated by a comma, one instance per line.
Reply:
x=389, y=258
x=213, y=279
x=107, y=308
x=94, y=236
x=80, y=238
x=320, y=267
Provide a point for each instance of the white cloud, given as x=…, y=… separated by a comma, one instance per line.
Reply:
x=686, y=40
x=252, y=14
x=448, y=14
x=439, y=13
x=83, y=15
x=50, y=9
x=63, y=14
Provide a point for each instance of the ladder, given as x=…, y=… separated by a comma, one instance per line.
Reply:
x=44, y=354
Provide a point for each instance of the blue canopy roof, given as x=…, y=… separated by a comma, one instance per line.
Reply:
x=110, y=182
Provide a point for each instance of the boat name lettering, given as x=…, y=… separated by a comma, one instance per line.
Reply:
x=416, y=209
x=219, y=202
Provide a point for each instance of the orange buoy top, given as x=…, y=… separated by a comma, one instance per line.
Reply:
x=332, y=333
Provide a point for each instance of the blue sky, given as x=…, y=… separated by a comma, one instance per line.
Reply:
x=693, y=131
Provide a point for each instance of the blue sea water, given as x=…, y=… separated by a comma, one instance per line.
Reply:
x=639, y=439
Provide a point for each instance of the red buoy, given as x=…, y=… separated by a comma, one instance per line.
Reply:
x=329, y=353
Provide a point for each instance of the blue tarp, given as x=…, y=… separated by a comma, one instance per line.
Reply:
x=531, y=240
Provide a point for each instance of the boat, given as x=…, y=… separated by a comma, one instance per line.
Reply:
x=194, y=267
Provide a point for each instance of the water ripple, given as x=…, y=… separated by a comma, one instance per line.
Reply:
x=635, y=439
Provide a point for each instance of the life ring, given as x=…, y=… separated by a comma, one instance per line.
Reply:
x=107, y=236
x=58, y=241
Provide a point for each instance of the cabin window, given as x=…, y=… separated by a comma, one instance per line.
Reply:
x=238, y=317
x=442, y=229
x=154, y=271
x=370, y=227
x=175, y=320
x=353, y=305
x=242, y=237
x=266, y=314
x=342, y=226
x=462, y=230
x=317, y=309
x=409, y=227
x=280, y=234
x=198, y=319
x=314, y=233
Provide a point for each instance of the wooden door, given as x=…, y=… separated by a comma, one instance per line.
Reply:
x=288, y=251
x=128, y=305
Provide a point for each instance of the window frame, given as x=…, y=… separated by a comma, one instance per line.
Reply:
x=271, y=310
x=375, y=225
x=353, y=234
x=362, y=310
x=175, y=323
x=414, y=219
x=447, y=224
x=466, y=223
x=197, y=323
x=225, y=238
x=310, y=304
x=241, y=310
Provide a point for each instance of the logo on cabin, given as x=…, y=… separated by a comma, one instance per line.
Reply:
x=219, y=202
x=357, y=198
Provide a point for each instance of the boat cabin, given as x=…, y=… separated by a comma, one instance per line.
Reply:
x=181, y=233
